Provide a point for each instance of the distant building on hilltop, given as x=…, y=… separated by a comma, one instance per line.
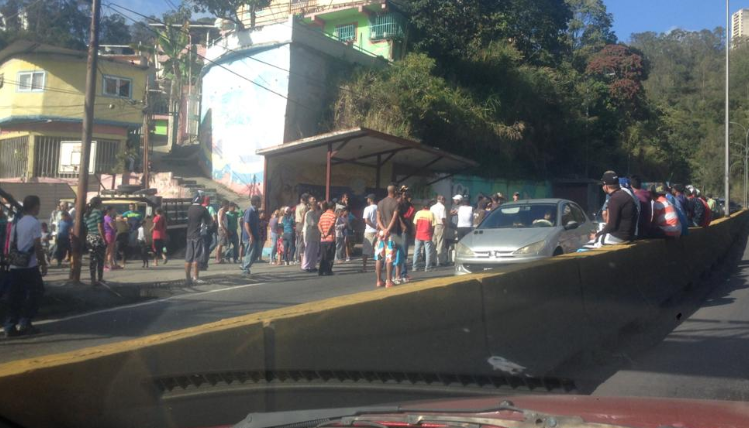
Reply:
x=739, y=26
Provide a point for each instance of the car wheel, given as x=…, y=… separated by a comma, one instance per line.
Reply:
x=558, y=252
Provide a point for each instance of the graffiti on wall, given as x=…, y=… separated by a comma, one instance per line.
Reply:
x=244, y=101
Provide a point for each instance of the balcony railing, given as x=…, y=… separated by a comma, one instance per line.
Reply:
x=387, y=26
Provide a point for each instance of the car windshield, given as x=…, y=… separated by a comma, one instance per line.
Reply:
x=521, y=216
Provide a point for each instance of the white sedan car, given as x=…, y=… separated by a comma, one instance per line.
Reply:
x=523, y=231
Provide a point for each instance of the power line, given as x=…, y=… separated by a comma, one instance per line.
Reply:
x=320, y=83
x=214, y=62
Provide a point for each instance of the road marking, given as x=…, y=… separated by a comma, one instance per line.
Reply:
x=150, y=302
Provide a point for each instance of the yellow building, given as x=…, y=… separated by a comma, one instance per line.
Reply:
x=41, y=109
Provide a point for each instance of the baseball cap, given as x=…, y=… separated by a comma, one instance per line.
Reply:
x=500, y=195
x=458, y=198
x=659, y=188
x=516, y=194
x=610, y=178
x=371, y=196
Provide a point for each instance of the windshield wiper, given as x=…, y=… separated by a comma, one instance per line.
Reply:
x=355, y=416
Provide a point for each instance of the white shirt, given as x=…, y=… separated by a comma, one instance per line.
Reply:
x=142, y=234
x=439, y=211
x=370, y=213
x=465, y=216
x=27, y=230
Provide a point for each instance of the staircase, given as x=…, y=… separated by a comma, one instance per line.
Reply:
x=188, y=176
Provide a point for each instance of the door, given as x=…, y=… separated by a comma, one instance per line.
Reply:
x=569, y=239
x=585, y=226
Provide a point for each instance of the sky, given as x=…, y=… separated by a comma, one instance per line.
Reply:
x=636, y=16
x=630, y=16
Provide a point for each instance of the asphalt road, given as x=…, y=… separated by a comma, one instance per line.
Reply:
x=698, y=348
x=261, y=292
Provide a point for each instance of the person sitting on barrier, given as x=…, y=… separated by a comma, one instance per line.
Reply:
x=666, y=222
x=646, y=211
x=680, y=208
x=622, y=213
x=698, y=210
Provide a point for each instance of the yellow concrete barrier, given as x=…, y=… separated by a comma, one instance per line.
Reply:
x=524, y=321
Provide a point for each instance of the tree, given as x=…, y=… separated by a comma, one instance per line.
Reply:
x=229, y=9
x=114, y=30
x=590, y=26
x=449, y=30
x=61, y=23
x=142, y=34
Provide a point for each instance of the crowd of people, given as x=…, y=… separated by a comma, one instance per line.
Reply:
x=313, y=234
x=660, y=211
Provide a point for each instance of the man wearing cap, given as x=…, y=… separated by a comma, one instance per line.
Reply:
x=622, y=217
x=515, y=196
x=438, y=238
x=370, y=230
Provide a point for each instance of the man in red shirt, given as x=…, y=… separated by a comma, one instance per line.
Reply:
x=425, y=222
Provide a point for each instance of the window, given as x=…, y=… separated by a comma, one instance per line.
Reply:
x=31, y=81
x=567, y=214
x=577, y=214
x=345, y=33
x=117, y=87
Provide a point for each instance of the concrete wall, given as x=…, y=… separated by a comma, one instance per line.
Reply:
x=518, y=324
x=244, y=116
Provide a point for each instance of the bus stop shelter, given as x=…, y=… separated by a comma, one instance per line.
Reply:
x=358, y=154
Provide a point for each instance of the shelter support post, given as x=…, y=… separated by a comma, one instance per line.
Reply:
x=327, y=171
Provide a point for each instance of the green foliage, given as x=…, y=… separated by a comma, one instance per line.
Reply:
x=114, y=30
x=448, y=30
x=61, y=23
x=227, y=9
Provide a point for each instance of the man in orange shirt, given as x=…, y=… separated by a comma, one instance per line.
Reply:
x=666, y=222
x=326, y=225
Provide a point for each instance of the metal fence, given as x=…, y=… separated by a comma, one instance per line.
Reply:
x=14, y=154
x=47, y=157
x=386, y=26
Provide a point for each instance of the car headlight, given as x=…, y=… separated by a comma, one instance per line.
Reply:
x=533, y=248
x=463, y=251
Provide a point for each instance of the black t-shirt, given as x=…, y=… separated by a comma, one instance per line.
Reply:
x=386, y=208
x=622, y=216
x=196, y=215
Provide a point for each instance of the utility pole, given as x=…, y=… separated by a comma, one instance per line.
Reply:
x=727, y=125
x=88, y=125
x=146, y=131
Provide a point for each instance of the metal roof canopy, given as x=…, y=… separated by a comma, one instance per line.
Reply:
x=369, y=148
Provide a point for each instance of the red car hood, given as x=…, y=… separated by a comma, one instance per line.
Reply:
x=625, y=411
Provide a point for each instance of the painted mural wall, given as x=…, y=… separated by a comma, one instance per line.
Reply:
x=244, y=109
x=472, y=186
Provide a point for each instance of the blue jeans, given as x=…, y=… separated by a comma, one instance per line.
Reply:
x=428, y=249
x=404, y=269
x=288, y=247
x=234, y=251
x=274, y=247
x=250, y=254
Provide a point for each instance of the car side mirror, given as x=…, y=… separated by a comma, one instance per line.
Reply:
x=571, y=225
